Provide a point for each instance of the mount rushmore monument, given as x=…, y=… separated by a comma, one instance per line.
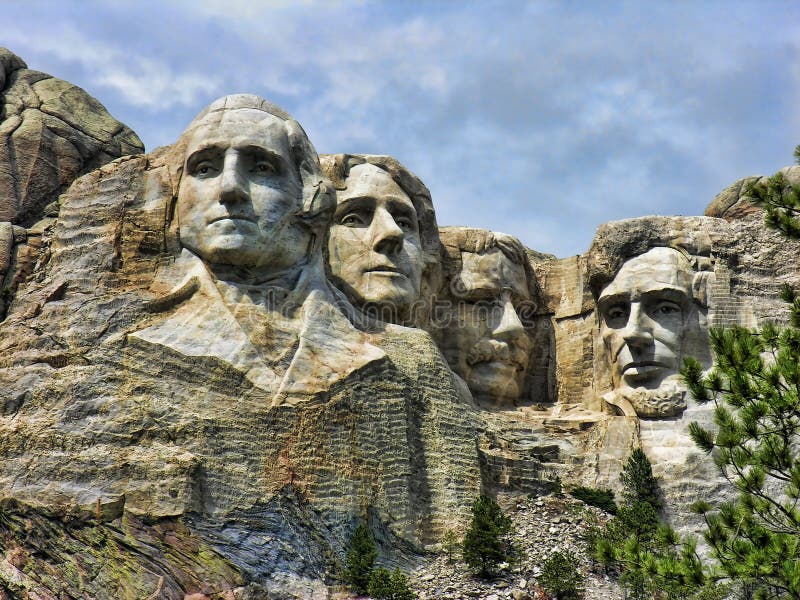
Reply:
x=216, y=359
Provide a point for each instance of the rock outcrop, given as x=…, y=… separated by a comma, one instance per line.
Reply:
x=216, y=359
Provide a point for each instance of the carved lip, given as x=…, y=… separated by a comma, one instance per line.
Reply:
x=643, y=364
x=385, y=269
x=247, y=218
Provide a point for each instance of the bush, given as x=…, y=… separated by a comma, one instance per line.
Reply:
x=361, y=555
x=638, y=481
x=389, y=585
x=560, y=577
x=601, y=498
x=450, y=544
x=486, y=544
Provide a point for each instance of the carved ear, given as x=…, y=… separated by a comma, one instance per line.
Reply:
x=701, y=284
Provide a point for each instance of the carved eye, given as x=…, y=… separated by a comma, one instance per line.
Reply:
x=204, y=168
x=665, y=308
x=353, y=219
x=405, y=223
x=264, y=168
x=616, y=313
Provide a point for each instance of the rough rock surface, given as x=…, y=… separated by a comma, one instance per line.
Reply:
x=154, y=443
x=542, y=526
x=50, y=132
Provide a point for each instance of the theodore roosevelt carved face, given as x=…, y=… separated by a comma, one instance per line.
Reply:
x=486, y=341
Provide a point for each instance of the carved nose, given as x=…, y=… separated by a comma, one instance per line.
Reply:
x=509, y=325
x=233, y=187
x=637, y=330
x=387, y=234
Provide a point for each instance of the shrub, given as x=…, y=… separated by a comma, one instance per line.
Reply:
x=638, y=481
x=486, y=544
x=389, y=585
x=361, y=555
x=450, y=544
x=601, y=498
x=560, y=577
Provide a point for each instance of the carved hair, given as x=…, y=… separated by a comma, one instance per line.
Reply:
x=456, y=240
x=317, y=200
x=701, y=268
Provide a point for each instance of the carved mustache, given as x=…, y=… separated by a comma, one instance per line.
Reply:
x=494, y=350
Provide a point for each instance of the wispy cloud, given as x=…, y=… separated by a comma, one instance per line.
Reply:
x=514, y=113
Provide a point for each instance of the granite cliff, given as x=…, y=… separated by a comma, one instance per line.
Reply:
x=216, y=359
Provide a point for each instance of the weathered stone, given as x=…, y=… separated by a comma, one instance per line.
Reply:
x=51, y=131
x=160, y=385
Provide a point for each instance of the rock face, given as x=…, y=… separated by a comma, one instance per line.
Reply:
x=216, y=359
x=50, y=133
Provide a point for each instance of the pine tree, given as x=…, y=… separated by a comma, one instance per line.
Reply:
x=361, y=555
x=755, y=388
x=485, y=543
x=389, y=585
x=780, y=201
x=638, y=482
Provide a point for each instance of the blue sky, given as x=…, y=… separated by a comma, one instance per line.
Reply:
x=539, y=119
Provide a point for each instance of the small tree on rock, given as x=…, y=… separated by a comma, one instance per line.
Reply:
x=389, y=585
x=638, y=482
x=560, y=576
x=361, y=555
x=486, y=543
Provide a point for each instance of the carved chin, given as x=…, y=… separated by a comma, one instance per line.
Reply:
x=387, y=290
x=495, y=382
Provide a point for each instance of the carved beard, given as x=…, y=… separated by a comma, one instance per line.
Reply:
x=668, y=400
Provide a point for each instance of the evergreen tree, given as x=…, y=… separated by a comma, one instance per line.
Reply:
x=755, y=388
x=389, y=585
x=560, y=577
x=638, y=482
x=486, y=542
x=780, y=201
x=361, y=555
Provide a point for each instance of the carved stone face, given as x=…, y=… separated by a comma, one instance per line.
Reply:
x=374, y=244
x=238, y=192
x=488, y=344
x=643, y=315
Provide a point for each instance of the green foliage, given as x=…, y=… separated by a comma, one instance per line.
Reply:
x=556, y=487
x=601, y=498
x=486, y=543
x=389, y=585
x=560, y=577
x=652, y=562
x=450, y=544
x=638, y=482
x=755, y=388
x=361, y=555
x=780, y=201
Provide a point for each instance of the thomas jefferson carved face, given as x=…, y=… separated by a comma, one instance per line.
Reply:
x=374, y=245
x=239, y=191
x=488, y=344
x=643, y=315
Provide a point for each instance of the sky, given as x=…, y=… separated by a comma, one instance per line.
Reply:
x=539, y=119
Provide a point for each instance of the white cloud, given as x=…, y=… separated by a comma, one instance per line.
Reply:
x=143, y=82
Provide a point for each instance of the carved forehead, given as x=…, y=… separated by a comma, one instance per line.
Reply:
x=241, y=126
x=491, y=270
x=367, y=180
x=656, y=269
